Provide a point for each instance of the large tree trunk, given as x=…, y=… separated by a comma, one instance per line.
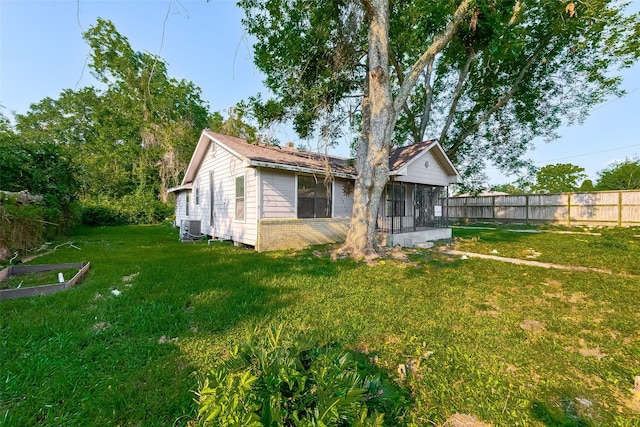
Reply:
x=372, y=161
x=379, y=115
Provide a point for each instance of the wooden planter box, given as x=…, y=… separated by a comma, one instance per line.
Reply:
x=17, y=270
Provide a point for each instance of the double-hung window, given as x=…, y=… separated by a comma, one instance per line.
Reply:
x=314, y=197
x=240, y=198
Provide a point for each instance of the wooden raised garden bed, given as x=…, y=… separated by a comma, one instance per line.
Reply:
x=19, y=270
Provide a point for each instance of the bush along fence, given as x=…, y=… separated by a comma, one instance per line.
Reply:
x=606, y=208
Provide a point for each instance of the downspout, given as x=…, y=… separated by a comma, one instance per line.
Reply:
x=258, y=210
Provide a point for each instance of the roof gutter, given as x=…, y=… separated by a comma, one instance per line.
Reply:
x=293, y=168
x=180, y=188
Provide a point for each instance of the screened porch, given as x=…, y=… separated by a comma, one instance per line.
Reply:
x=407, y=208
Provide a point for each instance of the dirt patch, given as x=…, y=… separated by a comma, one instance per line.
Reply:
x=586, y=351
x=557, y=295
x=464, y=420
x=510, y=367
x=634, y=402
x=552, y=282
x=577, y=298
x=533, y=326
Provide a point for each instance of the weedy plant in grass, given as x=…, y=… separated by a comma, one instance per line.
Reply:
x=273, y=381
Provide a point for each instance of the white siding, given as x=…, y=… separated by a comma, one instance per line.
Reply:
x=342, y=204
x=226, y=168
x=278, y=194
x=418, y=173
x=181, y=206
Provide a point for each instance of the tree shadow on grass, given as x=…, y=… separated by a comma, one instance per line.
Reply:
x=562, y=414
x=107, y=358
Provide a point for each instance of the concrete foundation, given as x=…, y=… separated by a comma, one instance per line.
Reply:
x=414, y=238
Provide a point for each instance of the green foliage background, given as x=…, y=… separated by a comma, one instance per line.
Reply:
x=107, y=155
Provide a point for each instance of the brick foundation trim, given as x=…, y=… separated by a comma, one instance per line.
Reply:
x=295, y=233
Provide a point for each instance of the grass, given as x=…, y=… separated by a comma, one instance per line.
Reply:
x=615, y=249
x=510, y=345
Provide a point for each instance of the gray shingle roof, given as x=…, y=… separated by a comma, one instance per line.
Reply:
x=272, y=156
x=283, y=155
x=306, y=159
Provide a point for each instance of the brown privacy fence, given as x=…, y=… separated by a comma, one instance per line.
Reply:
x=608, y=208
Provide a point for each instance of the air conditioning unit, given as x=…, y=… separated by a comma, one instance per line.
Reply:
x=190, y=230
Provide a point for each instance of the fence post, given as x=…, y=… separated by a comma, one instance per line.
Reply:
x=493, y=209
x=569, y=209
x=466, y=209
x=526, y=209
x=619, y=208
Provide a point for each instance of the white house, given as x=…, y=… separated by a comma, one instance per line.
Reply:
x=272, y=197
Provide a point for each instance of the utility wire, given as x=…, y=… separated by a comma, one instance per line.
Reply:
x=615, y=99
x=588, y=154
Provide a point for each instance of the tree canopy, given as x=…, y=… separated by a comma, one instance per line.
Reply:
x=485, y=77
x=121, y=143
x=624, y=175
x=510, y=72
x=559, y=178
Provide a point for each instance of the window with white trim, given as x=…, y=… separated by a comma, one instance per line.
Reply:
x=240, y=198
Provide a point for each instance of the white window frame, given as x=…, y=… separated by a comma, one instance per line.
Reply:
x=244, y=198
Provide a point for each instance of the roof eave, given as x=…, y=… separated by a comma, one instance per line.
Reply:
x=294, y=168
x=180, y=188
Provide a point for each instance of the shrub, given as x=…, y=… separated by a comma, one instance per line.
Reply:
x=274, y=382
x=22, y=226
x=139, y=208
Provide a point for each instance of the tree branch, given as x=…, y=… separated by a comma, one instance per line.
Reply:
x=502, y=101
x=462, y=78
x=398, y=68
x=439, y=42
x=426, y=113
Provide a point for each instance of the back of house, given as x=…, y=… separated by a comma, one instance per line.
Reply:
x=272, y=197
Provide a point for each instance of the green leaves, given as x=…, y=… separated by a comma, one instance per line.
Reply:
x=223, y=400
x=134, y=135
x=559, y=178
x=623, y=175
x=283, y=382
x=514, y=71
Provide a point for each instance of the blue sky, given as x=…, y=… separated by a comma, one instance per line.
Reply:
x=42, y=53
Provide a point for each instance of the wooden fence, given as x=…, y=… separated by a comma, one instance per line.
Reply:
x=608, y=208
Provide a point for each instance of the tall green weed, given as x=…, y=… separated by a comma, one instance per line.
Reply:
x=272, y=381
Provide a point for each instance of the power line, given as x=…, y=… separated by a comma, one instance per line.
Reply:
x=588, y=154
x=615, y=99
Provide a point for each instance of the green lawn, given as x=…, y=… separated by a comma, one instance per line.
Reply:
x=510, y=345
